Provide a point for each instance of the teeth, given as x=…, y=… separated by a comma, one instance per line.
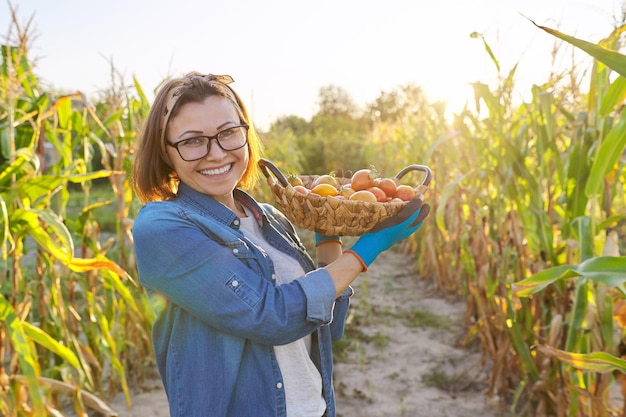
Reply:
x=216, y=171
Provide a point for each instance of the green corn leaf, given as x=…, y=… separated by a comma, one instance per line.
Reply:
x=54, y=238
x=45, y=340
x=610, y=270
x=579, y=311
x=4, y=227
x=64, y=110
x=609, y=222
x=115, y=282
x=607, y=156
x=26, y=356
x=615, y=95
x=80, y=178
x=611, y=59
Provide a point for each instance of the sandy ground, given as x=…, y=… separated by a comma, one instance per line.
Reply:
x=393, y=368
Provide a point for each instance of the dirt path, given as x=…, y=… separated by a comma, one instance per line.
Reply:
x=408, y=365
x=398, y=358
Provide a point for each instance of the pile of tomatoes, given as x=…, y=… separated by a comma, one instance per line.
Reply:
x=364, y=185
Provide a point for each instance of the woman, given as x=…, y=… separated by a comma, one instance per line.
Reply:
x=248, y=320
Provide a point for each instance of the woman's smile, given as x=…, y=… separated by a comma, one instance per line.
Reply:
x=216, y=171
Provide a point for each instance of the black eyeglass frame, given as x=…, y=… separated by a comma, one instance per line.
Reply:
x=208, y=144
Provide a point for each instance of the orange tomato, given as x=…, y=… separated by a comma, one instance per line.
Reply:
x=363, y=179
x=388, y=185
x=405, y=192
x=325, y=190
x=363, y=195
x=346, y=191
x=381, y=197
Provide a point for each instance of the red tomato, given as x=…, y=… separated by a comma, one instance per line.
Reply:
x=381, y=197
x=388, y=185
x=405, y=192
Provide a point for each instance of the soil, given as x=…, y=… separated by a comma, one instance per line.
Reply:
x=401, y=355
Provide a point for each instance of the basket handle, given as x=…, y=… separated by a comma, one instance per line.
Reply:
x=415, y=167
x=267, y=166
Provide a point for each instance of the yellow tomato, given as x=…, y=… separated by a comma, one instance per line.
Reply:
x=325, y=190
x=325, y=179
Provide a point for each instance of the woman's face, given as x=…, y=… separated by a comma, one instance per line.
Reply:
x=218, y=173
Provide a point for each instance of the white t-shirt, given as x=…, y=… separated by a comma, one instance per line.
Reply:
x=301, y=379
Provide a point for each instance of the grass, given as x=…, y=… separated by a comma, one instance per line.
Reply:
x=438, y=379
x=423, y=318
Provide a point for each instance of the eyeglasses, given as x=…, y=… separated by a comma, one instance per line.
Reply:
x=197, y=147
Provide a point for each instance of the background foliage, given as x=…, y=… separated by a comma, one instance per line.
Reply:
x=528, y=226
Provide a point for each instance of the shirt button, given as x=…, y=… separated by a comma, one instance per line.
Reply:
x=235, y=251
x=235, y=283
x=279, y=385
x=236, y=222
x=274, y=276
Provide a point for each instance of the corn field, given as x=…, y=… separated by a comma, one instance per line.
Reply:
x=528, y=226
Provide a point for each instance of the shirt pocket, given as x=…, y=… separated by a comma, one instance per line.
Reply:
x=246, y=293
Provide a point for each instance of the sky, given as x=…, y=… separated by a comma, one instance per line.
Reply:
x=281, y=52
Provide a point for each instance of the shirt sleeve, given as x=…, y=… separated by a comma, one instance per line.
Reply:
x=210, y=277
x=320, y=293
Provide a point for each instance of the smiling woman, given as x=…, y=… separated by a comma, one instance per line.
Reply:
x=249, y=321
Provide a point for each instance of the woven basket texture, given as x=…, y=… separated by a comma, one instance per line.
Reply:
x=330, y=215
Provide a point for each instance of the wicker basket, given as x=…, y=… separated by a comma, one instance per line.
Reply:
x=330, y=215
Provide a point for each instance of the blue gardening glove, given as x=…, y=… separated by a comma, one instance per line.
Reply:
x=389, y=232
x=320, y=239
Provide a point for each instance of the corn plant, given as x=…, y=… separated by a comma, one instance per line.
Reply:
x=515, y=201
x=74, y=320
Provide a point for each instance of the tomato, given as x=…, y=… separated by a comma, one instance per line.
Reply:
x=388, y=185
x=301, y=189
x=325, y=179
x=405, y=192
x=363, y=195
x=346, y=191
x=325, y=190
x=363, y=179
x=381, y=197
x=294, y=180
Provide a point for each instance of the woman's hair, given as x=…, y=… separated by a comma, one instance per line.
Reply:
x=154, y=179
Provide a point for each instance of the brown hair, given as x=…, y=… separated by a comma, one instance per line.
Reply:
x=154, y=179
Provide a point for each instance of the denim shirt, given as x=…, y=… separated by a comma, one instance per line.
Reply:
x=222, y=312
